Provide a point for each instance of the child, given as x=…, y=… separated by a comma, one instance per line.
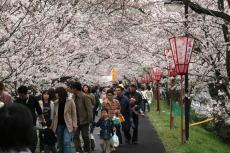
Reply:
x=106, y=133
x=133, y=106
x=49, y=139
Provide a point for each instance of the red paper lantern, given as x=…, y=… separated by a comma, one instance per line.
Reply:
x=181, y=50
x=157, y=74
x=172, y=71
x=171, y=66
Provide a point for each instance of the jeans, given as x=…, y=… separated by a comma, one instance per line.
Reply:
x=64, y=139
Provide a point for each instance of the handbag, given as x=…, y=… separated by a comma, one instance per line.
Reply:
x=115, y=140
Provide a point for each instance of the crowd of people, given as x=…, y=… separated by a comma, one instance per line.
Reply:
x=68, y=115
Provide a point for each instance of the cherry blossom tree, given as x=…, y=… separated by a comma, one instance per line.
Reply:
x=43, y=41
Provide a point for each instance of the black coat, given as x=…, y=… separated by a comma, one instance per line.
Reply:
x=32, y=104
x=48, y=137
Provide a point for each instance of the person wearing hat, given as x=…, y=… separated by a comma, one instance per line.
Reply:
x=121, y=84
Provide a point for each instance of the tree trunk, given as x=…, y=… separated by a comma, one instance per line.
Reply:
x=228, y=62
x=226, y=38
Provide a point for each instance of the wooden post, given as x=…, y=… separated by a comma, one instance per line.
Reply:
x=171, y=107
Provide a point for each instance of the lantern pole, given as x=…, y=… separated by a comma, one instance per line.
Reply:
x=153, y=98
x=182, y=112
x=182, y=69
x=158, y=97
x=152, y=89
x=187, y=102
x=171, y=107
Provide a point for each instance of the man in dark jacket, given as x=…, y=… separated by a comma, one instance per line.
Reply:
x=30, y=102
x=136, y=108
x=126, y=112
x=84, y=110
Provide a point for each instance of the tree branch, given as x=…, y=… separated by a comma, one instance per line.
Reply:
x=200, y=10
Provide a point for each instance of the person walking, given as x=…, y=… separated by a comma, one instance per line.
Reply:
x=126, y=112
x=87, y=90
x=106, y=132
x=136, y=106
x=4, y=96
x=144, y=99
x=114, y=108
x=47, y=107
x=30, y=102
x=150, y=96
x=65, y=120
x=84, y=111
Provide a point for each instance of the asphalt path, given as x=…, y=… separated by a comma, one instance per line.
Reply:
x=149, y=141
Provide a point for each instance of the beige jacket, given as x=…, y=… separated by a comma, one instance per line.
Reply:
x=70, y=115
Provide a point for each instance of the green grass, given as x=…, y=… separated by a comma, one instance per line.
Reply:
x=200, y=141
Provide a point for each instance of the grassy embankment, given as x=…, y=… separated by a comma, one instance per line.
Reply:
x=200, y=141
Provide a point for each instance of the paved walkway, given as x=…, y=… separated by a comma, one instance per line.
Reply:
x=149, y=141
